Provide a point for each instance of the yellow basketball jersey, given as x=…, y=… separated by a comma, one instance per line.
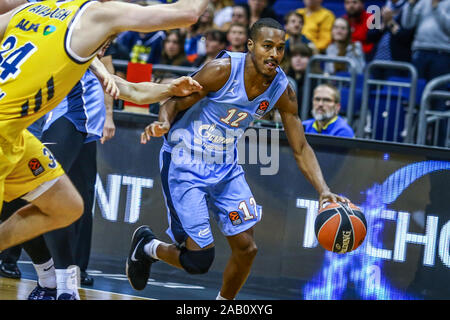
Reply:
x=37, y=66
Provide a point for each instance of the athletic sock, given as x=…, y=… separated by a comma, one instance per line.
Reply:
x=46, y=274
x=67, y=281
x=150, y=248
x=219, y=297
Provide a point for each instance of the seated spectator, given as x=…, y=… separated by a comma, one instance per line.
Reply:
x=392, y=41
x=342, y=46
x=260, y=9
x=294, y=22
x=318, y=23
x=195, y=35
x=173, y=49
x=216, y=41
x=326, y=106
x=172, y=54
x=298, y=59
x=241, y=15
x=237, y=36
x=223, y=11
x=139, y=47
x=359, y=20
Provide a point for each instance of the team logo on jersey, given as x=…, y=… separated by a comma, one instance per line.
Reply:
x=235, y=218
x=35, y=167
x=263, y=106
x=49, y=30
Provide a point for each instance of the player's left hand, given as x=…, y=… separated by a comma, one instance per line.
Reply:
x=184, y=86
x=109, y=130
x=328, y=196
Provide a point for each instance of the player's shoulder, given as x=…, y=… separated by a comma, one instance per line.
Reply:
x=215, y=73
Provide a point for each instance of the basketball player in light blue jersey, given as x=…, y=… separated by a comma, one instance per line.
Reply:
x=205, y=126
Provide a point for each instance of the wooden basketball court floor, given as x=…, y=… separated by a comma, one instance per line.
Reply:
x=11, y=289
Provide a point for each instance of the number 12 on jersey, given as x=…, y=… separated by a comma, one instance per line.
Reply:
x=11, y=58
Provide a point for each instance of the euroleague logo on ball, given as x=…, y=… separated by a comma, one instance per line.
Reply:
x=340, y=227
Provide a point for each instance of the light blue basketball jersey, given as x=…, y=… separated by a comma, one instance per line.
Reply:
x=84, y=106
x=212, y=127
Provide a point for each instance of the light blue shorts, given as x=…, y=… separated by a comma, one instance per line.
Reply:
x=194, y=190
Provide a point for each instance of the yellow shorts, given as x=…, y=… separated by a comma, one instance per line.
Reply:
x=24, y=166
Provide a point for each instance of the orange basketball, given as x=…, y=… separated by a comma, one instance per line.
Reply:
x=340, y=227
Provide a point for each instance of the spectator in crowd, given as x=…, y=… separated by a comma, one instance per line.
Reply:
x=326, y=106
x=293, y=24
x=172, y=54
x=342, y=46
x=241, y=14
x=223, y=11
x=318, y=23
x=359, y=20
x=260, y=9
x=431, y=45
x=173, y=49
x=298, y=59
x=392, y=41
x=139, y=47
x=216, y=41
x=237, y=37
x=195, y=41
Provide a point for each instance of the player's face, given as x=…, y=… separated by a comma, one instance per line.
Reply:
x=325, y=106
x=267, y=50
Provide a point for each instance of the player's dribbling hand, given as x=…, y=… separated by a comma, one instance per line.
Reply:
x=328, y=196
x=155, y=129
x=184, y=86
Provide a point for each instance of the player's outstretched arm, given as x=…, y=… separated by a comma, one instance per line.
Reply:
x=303, y=153
x=212, y=77
x=149, y=92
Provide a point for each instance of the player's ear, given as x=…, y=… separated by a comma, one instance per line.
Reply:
x=250, y=45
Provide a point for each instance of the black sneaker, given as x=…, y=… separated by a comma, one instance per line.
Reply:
x=10, y=270
x=138, y=262
x=67, y=296
x=41, y=293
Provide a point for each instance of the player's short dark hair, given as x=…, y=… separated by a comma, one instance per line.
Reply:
x=264, y=23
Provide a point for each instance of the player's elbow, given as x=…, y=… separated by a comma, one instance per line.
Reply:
x=191, y=16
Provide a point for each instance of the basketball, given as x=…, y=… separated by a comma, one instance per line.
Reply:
x=340, y=227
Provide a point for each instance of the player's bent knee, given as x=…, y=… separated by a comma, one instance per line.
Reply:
x=61, y=202
x=197, y=262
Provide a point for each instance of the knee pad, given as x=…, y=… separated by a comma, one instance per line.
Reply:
x=196, y=262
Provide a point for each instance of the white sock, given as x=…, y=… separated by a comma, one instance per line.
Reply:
x=46, y=274
x=67, y=281
x=219, y=297
x=150, y=248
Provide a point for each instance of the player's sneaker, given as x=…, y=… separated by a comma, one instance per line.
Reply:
x=67, y=296
x=138, y=262
x=41, y=293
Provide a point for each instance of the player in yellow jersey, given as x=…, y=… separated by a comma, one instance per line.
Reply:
x=44, y=51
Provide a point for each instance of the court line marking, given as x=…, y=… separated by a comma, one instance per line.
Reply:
x=106, y=292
